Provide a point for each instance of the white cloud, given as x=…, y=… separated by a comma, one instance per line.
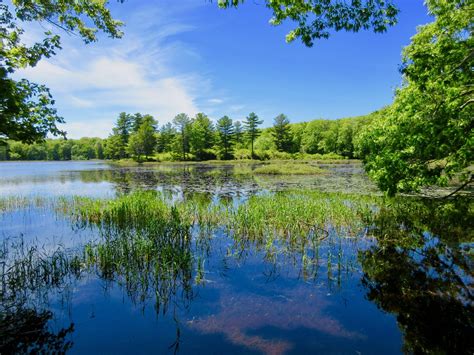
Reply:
x=97, y=128
x=93, y=83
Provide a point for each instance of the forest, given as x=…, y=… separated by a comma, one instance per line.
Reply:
x=139, y=137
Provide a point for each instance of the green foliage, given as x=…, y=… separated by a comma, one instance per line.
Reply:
x=143, y=141
x=251, y=124
x=225, y=132
x=202, y=137
x=165, y=138
x=117, y=142
x=238, y=133
x=182, y=123
x=282, y=134
x=426, y=137
x=27, y=112
x=317, y=140
x=264, y=142
x=316, y=19
x=56, y=149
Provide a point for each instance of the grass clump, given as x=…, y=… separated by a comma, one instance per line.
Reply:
x=139, y=210
x=288, y=169
x=297, y=213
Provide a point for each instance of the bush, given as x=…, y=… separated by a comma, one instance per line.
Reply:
x=275, y=154
x=242, y=154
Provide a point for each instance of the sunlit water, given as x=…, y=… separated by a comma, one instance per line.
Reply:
x=235, y=299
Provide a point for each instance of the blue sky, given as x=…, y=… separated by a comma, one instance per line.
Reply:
x=189, y=56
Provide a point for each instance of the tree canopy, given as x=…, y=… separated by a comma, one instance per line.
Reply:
x=426, y=137
x=26, y=109
x=315, y=19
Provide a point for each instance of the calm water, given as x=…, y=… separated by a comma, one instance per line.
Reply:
x=403, y=284
x=100, y=179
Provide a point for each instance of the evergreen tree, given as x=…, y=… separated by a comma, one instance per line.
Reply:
x=238, y=133
x=114, y=148
x=165, y=138
x=143, y=142
x=136, y=121
x=201, y=136
x=124, y=126
x=251, y=124
x=182, y=123
x=118, y=141
x=225, y=131
x=282, y=134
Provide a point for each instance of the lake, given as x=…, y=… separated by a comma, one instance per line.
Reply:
x=214, y=259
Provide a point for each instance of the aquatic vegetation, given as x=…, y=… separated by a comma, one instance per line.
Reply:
x=288, y=169
x=163, y=251
x=29, y=271
x=28, y=275
x=290, y=214
x=295, y=214
x=147, y=266
x=16, y=202
x=141, y=209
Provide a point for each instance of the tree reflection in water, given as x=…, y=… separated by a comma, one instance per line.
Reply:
x=421, y=270
x=28, y=331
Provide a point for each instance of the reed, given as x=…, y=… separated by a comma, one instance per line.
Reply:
x=288, y=169
x=17, y=202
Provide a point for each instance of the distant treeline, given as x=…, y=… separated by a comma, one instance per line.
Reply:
x=139, y=137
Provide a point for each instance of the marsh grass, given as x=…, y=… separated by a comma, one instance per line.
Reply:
x=154, y=246
x=29, y=272
x=288, y=169
x=293, y=214
x=17, y=202
x=291, y=225
x=157, y=249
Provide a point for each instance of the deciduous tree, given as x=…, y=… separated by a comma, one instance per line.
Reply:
x=427, y=136
x=26, y=109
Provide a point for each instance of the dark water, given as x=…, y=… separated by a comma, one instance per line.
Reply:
x=404, y=284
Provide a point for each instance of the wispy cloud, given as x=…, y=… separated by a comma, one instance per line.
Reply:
x=92, y=84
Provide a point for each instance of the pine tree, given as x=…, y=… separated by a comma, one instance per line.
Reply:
x=251, y=124
x=225, y=130
x=282, y=134
x=238, y=133
x=182, y=123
